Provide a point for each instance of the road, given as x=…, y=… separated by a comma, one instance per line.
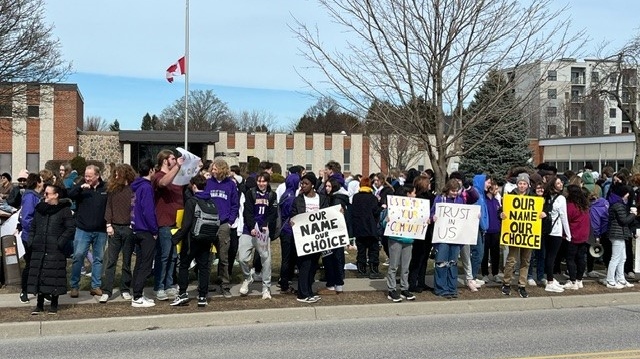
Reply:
x=606, y=332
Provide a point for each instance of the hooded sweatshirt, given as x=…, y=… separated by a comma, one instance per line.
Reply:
x=143, y=214
x=226, y=198
x=292, y=182
x=599, y=214
x=478, y=184
x=30, y=199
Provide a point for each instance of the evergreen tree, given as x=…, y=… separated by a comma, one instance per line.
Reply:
x=146, y=123
x=508, y=147
x=115, y=126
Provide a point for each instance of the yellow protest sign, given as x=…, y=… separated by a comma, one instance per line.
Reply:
x=522, y=226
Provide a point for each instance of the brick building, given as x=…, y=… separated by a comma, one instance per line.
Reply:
x=38, y=122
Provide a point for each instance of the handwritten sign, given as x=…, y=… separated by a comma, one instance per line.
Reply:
x=262, y=238
x=456, y=223
x=188, y=169
x=522, y=226
x=319, y=231
x=408, y=217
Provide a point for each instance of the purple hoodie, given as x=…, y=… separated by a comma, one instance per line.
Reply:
x=225, y=197
x=599, y=214
x=143, y=213
x=292, y=182
x=30, y=199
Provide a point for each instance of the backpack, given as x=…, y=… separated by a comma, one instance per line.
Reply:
x=206, y=221
x=547, y=207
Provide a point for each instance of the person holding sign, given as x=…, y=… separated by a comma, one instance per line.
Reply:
x=334, y=263
x=446, y=272
x=553, y=240
x=524, y=253
x=308, y=201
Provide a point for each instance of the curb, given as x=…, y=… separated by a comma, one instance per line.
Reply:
x=311, y=313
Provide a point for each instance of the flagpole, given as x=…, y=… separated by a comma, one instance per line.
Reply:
x=186, y=77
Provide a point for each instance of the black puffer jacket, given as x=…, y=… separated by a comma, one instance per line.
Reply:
x=619, y=221
x=52, y=227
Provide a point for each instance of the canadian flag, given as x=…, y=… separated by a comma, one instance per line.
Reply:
x=176, y=69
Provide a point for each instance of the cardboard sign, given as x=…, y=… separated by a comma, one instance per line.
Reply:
x=456, y=223
x=320, y=231
x=408, y=217
x=522, y=226
x=188, y=169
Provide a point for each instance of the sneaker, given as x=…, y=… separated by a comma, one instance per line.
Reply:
x=317, y=297
x=142, y=302
x=486, y=279
x=339, y=289
x=471, y=284
x=307, y=300
x=554, y=287
x=96, y=292
x=531, y=282
x=571, y=285
x=181, y=299
x=480, y=282
x=162, y=295
x=126, y=296
x=202, y=302
x=614, y=285
x=544, y=282
x=171, y=292
x=506, y=290
x=523, y=292
x=631, y=275
x=37, y=310
x=593, y=274
x=226, y=293
x=87, y=274
x=104, y=298
x=74, y=293
x=24, y=298
x=53, y=311
x=327, y=291
x=394, y=296
x=47, y=299
x=386, y=263
x=626, y=284
x=405, y=294
x=579, y=283
x=266, y=294
x=244, y=288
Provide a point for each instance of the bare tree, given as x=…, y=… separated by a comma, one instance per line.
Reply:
x=206, y=113
x=95, y=123
x=28, y=53
x=254, y=121
x=440, y=50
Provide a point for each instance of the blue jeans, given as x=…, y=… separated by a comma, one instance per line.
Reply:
x=81, y=243
x=537, y=256
x=165, y=261
x=477, y=252
x=446, y=271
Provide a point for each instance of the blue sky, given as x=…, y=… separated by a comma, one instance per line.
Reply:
x=243, y=50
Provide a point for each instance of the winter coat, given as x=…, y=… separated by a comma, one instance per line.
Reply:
x=365, y=213
x=579, y=223
x=619, y=221
x=599, y=213
x=52, y=228
x=30, y=200
x=91, y=204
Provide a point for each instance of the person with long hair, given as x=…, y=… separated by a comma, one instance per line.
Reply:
x=30, y=199
x=120, y=236
x=446, y=272
x=580, y=225
x=553, y=240
x=420, y=250
x=52, y=227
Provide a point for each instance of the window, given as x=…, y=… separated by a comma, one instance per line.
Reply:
x=551, y=130
x=33, y=111
x=552, y=111
x=346, y=161
x=552, y=94
x=575, y=131
x=612, y=113
x=309, y=163
x=5, y=110
x=626, y=129
x=612, y=130
x=595, y=76
x=552, y=75
x=5, y=163
x=33, y=162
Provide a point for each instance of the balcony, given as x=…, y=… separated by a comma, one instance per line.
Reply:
x=577, y=81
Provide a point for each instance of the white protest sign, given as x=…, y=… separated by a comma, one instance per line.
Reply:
x=319, y=231
x=8, y=228
x=408, y=217
x=456, y=223
x=188, y=169
x=263, y=238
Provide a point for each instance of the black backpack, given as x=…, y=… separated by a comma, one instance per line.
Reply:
x=547, y=207
x=206, y=221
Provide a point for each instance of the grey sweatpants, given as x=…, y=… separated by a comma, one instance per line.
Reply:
x=399, y=254
x=246, y=244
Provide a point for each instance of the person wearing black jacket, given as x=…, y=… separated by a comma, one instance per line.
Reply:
x=90, y=196
x=308, y=201
x=52, y=227
x=193, y=249
x=334, y=262
x=364, y=227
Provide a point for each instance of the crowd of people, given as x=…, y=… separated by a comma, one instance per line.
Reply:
x=66, y=215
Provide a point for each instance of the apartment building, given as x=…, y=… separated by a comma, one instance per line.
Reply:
x=38, y=122
x=570, y=98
